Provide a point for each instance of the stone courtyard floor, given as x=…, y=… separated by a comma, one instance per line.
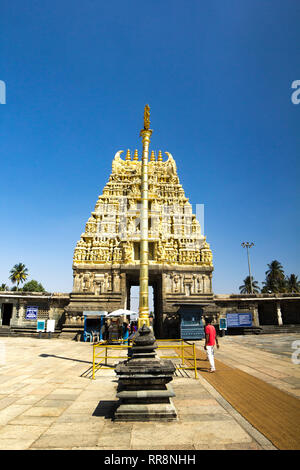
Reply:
x=49, y=401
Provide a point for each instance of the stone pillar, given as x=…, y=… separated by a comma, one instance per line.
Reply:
x=144, y=391
x=203, y=284
x=210, y=283
x=76, y=282
x=181, y=283
x=21, y=313
x=15, y=318
x=279, y=317
x=116, y=281
x=255, y=315
x=124, y=290
x=206, y=283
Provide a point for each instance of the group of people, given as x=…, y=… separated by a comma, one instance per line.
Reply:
x=116, y=330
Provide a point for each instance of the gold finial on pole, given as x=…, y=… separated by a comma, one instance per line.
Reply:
x=147, y=117
x=146, y=122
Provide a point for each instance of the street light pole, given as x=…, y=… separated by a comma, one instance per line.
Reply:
x=249, y=245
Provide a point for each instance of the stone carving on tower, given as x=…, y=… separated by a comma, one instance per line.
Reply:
x=108, y=249
x=113, y=227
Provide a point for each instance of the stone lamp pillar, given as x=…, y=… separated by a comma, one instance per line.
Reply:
x=144, y=390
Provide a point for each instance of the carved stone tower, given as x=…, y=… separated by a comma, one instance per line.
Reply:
x=106, y=258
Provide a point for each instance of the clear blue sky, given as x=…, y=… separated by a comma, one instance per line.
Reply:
x=217, y=76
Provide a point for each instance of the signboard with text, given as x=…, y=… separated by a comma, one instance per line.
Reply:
x=40, y=325
x=31, y=313
x=237, y=320
x=50, y=326
x=223, y=324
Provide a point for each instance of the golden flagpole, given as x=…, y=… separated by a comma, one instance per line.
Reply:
x=144, y=242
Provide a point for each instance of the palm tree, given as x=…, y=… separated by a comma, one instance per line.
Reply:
x=275, y=279
x=275, y=269
x=18, y=273
x=4, y=287
x=293, y=285
x=246, y=287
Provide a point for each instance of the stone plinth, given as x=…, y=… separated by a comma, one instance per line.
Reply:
x=144, y=390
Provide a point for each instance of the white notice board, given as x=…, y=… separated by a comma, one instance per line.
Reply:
x=50, y=326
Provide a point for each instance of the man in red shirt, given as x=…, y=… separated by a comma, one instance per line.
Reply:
x=210, y=341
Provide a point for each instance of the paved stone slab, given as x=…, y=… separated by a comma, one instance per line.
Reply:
x=27, y=421
x=44, y=411
x=48, y=405
x=11, y=412
x=18, y=432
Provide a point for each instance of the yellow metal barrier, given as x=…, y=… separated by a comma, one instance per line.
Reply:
x=103, y=358
x=191, y=355
x=104, y=347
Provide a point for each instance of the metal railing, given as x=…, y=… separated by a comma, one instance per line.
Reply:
x=184, y=352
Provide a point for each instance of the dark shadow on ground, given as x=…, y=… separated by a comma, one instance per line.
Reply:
x=66, y=358
x=106, y=408
x=202, y=369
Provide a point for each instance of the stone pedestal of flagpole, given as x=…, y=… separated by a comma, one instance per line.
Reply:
x=144, y=391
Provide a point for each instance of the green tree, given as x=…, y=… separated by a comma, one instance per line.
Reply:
x=4, y=287
x=246, y=287
x=275, y=278
x=18, y=273
x=292, y=283
x=33, y=286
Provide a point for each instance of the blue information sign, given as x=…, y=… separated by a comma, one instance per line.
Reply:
x=235, y=320
x=31, y=313
x=40, y=325
x=223, y=324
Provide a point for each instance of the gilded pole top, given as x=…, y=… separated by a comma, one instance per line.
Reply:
x=147, y=117
x=146, y=129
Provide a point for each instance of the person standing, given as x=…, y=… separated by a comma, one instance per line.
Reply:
x=125, y=331
x=210, y=341
x=104, y=331
x=133, y=328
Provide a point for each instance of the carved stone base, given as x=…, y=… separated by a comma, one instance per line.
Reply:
x=144, y=390
x=146, y=412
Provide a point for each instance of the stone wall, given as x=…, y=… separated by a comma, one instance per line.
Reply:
x=50, y=306
x=67, y=309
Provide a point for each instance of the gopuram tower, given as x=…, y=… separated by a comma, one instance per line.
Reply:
x=106, y=259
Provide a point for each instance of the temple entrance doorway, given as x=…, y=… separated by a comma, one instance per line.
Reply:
x=6, y=314
x=155, y=299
